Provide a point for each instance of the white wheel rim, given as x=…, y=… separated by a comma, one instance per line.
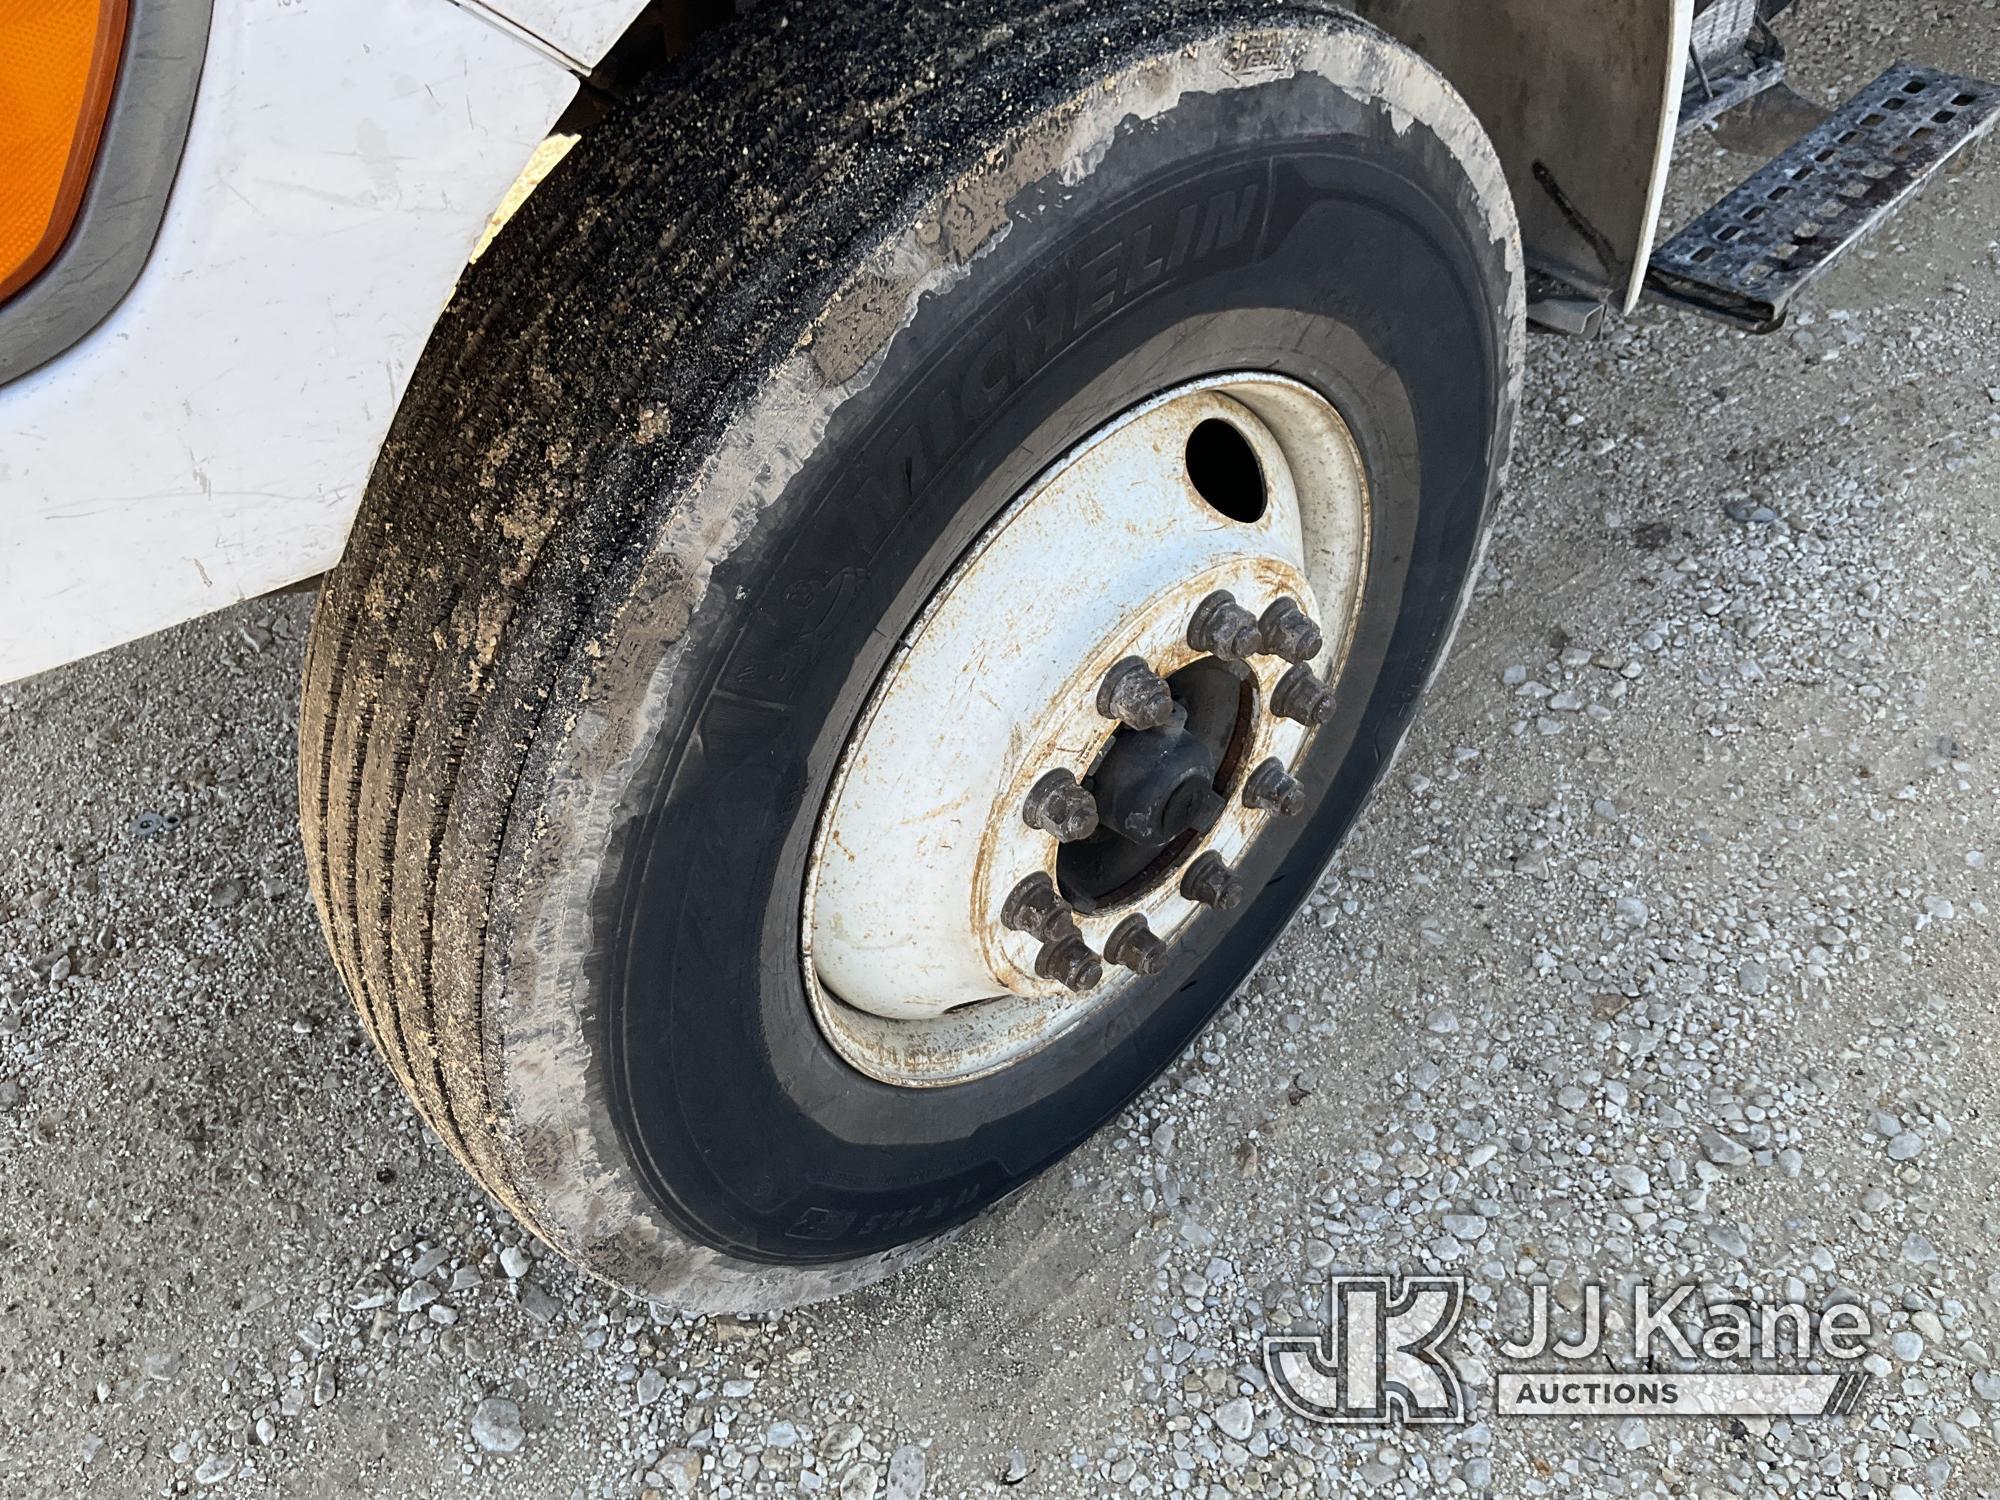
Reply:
x=912, y=974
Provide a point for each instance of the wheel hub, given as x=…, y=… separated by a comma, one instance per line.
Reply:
x=1090, y=722
x=1154, y=785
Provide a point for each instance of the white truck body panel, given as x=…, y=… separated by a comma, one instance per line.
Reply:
x=1581, y=98
x=1682, y=23
x=580, y=31
x=210, y=440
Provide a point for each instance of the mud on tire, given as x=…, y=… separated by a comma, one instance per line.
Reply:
x=694, y=441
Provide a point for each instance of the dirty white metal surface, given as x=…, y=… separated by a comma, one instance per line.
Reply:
x=1576, y=93
x=1589, y=91
x=580, y=31
x=914, y=975
x=210, y=440
x=342, y=160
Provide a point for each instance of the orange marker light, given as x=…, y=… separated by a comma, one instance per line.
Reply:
x=58, y=62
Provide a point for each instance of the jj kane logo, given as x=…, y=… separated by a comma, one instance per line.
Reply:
x=1380, y=1356
x=1383, y=1356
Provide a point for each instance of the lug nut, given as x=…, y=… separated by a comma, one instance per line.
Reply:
x=1070, y=963
x=1058, y=805
x=1211, y=882
x=1288, y=631
x=1224, y=628
x=1133, y=945
x=1301, y=696
x=1133, y=693
x=1037, y=908
x=1271, y=788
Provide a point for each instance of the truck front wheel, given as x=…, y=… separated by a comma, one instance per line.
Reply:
x=893, y=576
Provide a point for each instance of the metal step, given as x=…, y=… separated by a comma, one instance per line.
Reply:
x=1745, y=259
x=1711, y=90
x=1722, y=78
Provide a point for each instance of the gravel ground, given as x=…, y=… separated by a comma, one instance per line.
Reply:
x=1661, y=956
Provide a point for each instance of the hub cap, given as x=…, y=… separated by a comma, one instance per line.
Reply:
x=1093, y=718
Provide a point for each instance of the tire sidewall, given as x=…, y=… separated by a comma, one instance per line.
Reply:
x=1302, y=218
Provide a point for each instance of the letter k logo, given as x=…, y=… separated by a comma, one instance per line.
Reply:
x=1378, y=1359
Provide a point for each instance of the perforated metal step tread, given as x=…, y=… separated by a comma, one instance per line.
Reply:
x=1746, y=258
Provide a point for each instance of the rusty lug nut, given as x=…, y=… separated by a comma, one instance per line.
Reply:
x=1037, y=908
x=1133, y=693
x=1210, y=881
x=1288, y=631
x=1133, y=945
x=1071, y=964
x=1058, y=805
x=1271, y=788
x=1224, y=628
x=1302, y=697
